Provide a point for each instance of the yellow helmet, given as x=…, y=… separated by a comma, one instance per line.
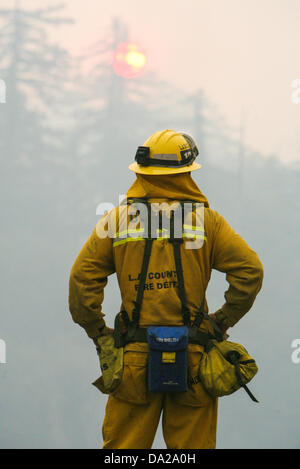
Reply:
x=166, y=152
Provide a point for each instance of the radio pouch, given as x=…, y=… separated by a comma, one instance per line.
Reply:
x=167, y=364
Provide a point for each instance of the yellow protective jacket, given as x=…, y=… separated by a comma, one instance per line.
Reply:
x=111, y=248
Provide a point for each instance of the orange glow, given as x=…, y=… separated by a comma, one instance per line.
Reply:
x=129, y=61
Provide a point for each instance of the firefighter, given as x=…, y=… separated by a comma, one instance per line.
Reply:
x=163, y=277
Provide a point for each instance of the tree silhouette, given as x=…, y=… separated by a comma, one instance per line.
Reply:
x=33, y=68
x=31, y=143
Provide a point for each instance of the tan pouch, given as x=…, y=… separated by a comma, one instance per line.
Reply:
x=133, y=386
x=226, y=368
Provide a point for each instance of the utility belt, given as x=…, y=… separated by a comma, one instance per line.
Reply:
x=140, y=335
x=168, y=360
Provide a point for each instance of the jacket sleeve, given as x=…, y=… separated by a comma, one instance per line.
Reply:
x=243, y=269
x=87, y=281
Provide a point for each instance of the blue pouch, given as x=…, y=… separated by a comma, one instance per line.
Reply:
x=167, y=365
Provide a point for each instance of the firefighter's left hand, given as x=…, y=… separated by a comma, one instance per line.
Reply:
x=105, y=331
x=220, y=325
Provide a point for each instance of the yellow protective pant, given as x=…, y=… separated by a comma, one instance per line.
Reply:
x=189, y=419
x=129, y=426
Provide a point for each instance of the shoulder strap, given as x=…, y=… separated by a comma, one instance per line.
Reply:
x=141, y=287
x=176, y=242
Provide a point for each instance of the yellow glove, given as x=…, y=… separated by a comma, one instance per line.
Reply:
x=111, y=362
x=103, y=331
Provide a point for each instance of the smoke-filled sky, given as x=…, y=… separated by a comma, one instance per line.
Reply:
x=244, y=54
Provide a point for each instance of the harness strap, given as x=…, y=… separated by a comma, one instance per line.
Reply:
x=200, y=313
x=141, y=287
x=176, y=242
x=219, y=335
x=134, y=324
x=133, y=329
x=233, y=357
x=241, y=382
x=181, y=290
